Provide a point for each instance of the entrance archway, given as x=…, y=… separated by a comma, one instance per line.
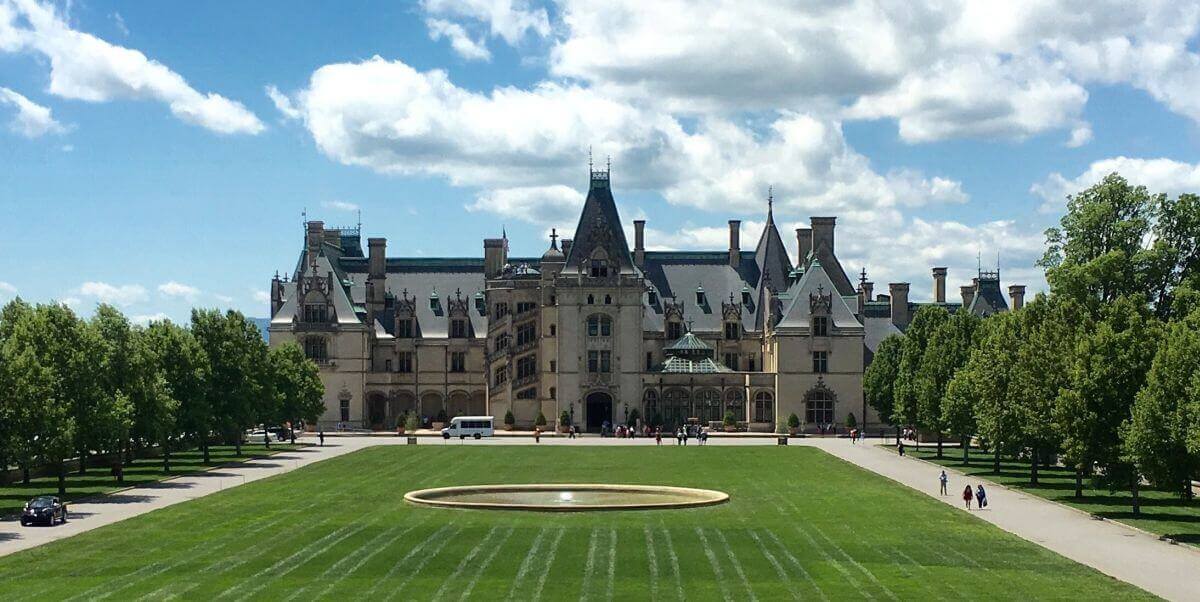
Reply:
x=598, y=408
x=377, y=413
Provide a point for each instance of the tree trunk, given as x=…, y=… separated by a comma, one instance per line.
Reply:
x=24, y=475
x=1079, y=480
x=4, y=472
x=237, y=445
x=166, y=452
x=995, y=459
x=1137, y=502
x=204, y=446
x=939, y=444
x=1033, y=468
x=62, y=478
x=82, y=461
x=1187, y=489
x=966, y=445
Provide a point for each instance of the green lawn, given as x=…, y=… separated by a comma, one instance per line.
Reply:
x=99, y=479
x=1163, y=512
x=800, y=524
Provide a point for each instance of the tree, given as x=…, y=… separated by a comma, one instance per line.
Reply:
x=296, y=383
x=948, y=348
x=119, y=374
x=184, y=367
x=1050, y=327
x=1110, y=365
x=1176, y=252
x=1156, y=437
x=879, y=379
x=916, y=339
x=13, y=442
x=988, y=374
x=237, y=356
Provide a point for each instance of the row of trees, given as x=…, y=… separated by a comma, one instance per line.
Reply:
x=73, y=388
x=1102, y=372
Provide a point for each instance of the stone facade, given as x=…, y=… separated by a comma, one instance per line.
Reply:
x=594, y=329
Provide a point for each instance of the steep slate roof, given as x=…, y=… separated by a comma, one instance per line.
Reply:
x=988, y=298
x=675, y=275
x=597, y=222
x=773, y=263
x=816, y=280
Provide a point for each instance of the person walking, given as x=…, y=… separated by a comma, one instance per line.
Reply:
x=967, y=495
x=321, y=437
x=537, y=434
x=945, y=481
x=685, y=437
x=658, y=436
x=900, y=446
x=980, y=497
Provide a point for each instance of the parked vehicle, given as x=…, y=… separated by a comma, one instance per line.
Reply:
x=258, y=435
x=470, y=426
x=44, y=509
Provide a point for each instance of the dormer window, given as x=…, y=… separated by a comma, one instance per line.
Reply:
x=674, y=330
x=701, y=300
x=745, y=295
x=652, y=298
x=480, y=303
x=733, y=331
x=316, y=312
x=820, y=326
x=433, y=301
x=599, y=268
x=458, y=328
x=404, y=328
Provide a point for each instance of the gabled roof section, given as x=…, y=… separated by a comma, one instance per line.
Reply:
x=988, y=298
x=600, y=226
x=816, y=281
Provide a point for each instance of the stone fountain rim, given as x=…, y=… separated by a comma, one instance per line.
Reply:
x=699, y=497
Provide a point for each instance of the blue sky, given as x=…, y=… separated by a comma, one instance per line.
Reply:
x=144, y=162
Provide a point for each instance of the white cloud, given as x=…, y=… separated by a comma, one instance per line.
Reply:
x=32, y=120
x=178, y=289
x=103, y=292
x=84, y=67
x=547, y=205
x=119, y=22
x=7, y=290
x=261, y=296
x=282, y=103
x=226, y=299
x=339, y=205
x=146, y=319
x=510, y=20
x=1158, y=175
x=460, y=40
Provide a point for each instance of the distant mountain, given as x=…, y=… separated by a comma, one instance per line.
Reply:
x=262, y=324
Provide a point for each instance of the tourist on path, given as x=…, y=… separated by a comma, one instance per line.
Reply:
x=967, y=495
x=571, y=432
x=945, y=480
x=321, y=437
x=658, y=436
x=900, y=446
x=981, y=497
x=685, y=437
x=537, y=434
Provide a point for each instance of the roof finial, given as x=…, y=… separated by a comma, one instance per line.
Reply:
x=608, y=164
x=589, y=160
x=770, y=201
x=360, y=220
x=689, y=325
x=553, y=238
x=863, y=279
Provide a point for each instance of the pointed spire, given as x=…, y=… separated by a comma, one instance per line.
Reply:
x=770, y=203
x=553, y=238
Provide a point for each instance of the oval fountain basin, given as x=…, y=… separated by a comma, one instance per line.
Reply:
x=566, y=497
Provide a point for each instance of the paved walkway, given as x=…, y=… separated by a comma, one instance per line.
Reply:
x=1170, y=571
x=107, y=509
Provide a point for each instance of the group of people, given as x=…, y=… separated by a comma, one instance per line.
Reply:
x=683, y=433
x=978, y=494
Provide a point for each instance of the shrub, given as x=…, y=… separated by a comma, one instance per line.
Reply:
x=411, y=422
x=541, y=420
x=509, y=419
x=564, y=418
x=730, y=419
x=634, y=415
x=441, y=416
x=793, y=421
x=850, y=421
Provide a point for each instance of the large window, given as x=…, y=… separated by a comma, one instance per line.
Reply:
x=526, y=333
x=458, y=328
x=708, y=405
x=500, y=377
x=820, y=362
x=458, y=361
x=599, y=268
x=731, y=361
x=820, y=326
x=524, y=306
x=406, y=362
x=316, y=349
x=316, y=312
x=526, y=366
x=404, y=328
x=599, y=325
x=819, y=408
x=674, y=330
x=345, y=410
x=501, y=310
x=502, y=342
x=764, y=410
x=733, y=331
x=599, y=362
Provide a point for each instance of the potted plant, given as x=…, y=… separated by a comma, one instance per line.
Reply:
x=564, y=422
x=439, y=422
x=730, y=421
x=793, y=424
x=540, y=420
x=401, y=425
x=412, y=423
x=851, y=422
x=510, y=421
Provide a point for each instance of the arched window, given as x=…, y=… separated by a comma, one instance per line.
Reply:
x=599, y=325
x=650, y=404
x=819, y=407
x=677, y=407
x=735, y=400
x=764, y=407
x=708, y=405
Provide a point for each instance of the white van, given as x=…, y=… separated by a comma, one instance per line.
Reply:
x=469, y=426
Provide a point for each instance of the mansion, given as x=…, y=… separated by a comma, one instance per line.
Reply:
x=595, y=328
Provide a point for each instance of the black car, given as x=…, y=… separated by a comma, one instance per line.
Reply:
x=44, y=509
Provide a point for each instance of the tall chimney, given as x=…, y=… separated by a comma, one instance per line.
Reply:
x=804, y=244
x=1017, y=293
x=639, y=242
x=939, y=285
x=899, y=298
x=495, y=255
x=376, y=253
x=968, y=294
x=868, y=289
x=822, y=232
x=276, y=294
x=312, y=242
x=735, y=245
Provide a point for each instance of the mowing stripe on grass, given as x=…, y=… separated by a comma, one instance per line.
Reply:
x=714, y=563
x=737, y=566
x=295, y=560
x=487, y=561
x=783, y=576
x=527, y=563
x=589, y=566
x=412, y=552
x=367, y=557
x=652, y=560
x=612, y=563
x=541, y=582
x=791, y=558
x=416, y=570
x=674, y=560
x=958, y=594
x=364, y=551
x=453, y=579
